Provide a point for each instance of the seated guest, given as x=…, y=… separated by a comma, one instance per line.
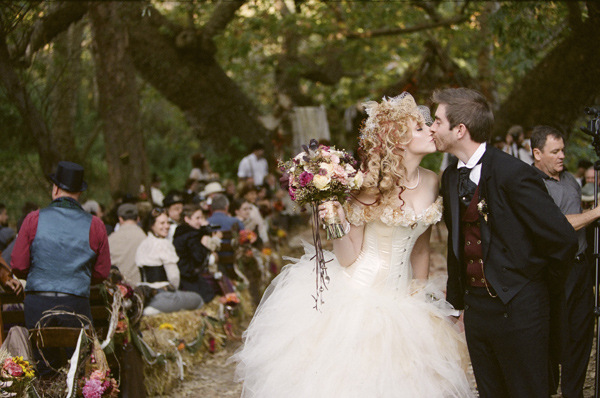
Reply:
x=61, y=250
x=173, y=204
x=197, y=263
x=220, y=214
x=221, y=217
x=157, y=261
x=6, y=234
x=255, y=221
x=124, y=242
x=240, y=209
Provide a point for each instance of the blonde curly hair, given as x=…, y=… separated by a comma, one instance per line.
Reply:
x=386, y=129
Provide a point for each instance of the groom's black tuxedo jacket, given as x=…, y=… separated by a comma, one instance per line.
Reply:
x=525, y=238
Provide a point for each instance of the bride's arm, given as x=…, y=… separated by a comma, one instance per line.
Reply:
x=347, y=248
x=419, y=257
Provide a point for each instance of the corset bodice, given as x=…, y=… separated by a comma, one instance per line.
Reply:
x=384, y=260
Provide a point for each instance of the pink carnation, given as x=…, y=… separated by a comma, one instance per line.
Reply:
x=305, y=178
x=13, y=369
x=292, y=193
x=93, y=389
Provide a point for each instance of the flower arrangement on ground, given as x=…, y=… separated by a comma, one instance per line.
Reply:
x=321, y=174
x=16, y=374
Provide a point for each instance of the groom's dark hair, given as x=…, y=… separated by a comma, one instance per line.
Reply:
x=468, y=107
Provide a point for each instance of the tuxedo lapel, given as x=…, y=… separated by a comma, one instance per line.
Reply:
x=486, y=166
x=454, y=208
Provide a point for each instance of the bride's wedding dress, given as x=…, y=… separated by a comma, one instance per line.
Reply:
x=378, y=334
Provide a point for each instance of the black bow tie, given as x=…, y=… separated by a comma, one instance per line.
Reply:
x=466, y=187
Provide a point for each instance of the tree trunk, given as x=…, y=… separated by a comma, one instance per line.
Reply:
x=559, y=87
x=192, y=80
x=65, y=72
x=118, y=99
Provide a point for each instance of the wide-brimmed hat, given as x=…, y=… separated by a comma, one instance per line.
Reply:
x=69, y=176
x=212, y=187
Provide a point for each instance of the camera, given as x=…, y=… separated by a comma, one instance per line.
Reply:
x=209, y=229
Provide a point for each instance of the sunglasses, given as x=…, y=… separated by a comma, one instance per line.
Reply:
x=157, y=211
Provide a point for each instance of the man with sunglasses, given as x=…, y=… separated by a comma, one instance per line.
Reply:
x=61, y=250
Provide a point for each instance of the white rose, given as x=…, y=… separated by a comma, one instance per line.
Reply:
x=321, y=182
x=327, y=167
x=358, y=180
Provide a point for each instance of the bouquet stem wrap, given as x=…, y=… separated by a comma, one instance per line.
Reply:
x=333, y=225
x=320, y=264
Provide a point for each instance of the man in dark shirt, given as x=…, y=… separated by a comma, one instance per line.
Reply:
x=61, y=250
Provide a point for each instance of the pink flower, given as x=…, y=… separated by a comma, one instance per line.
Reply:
x=305, y=178
x=93, y=389
x=97, y=375
x=292, y=193
x=13, y=368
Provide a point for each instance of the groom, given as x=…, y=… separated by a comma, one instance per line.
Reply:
x=508, y=250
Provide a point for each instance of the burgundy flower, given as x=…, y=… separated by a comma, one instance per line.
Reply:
x=284, y=181
x=305, y=178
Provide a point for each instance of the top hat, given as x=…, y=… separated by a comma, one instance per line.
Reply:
x=172, y=198
x=69, y=177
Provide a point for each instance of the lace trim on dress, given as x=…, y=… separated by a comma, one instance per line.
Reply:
x=358, y=214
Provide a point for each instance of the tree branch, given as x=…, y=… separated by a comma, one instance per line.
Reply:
x=220, y=18
x=400, y=31
x=46, y=28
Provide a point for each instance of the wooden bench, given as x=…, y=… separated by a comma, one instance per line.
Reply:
x=14, y=316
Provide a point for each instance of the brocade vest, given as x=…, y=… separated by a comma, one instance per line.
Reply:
x=472, y=247
x=61, y=257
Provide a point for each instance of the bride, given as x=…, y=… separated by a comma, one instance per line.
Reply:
x=384, y=329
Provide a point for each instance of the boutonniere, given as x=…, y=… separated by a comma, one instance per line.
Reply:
x=482, y=207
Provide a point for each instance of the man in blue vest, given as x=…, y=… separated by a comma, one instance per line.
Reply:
x=61, y=250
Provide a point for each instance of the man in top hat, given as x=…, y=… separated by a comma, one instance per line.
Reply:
x=61, y=250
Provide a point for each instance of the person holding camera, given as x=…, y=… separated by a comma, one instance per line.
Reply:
x=157, y=261
x=572, y=313
x=194, y=242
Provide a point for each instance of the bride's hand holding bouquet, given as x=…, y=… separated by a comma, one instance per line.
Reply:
x=322, y=175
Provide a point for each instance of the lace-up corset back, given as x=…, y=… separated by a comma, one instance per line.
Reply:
x=384, y=261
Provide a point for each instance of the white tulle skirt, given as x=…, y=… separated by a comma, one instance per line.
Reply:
x=361, y=343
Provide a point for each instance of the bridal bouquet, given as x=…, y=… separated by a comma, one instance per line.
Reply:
x=321, y=174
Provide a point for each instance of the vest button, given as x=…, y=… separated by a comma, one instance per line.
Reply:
x=470, y=261
x=478, y=242
x=472, y=279
x=468, y=242
x=466, y=306
x=480, y=261
x=482, y=280
x=504, y=269
x=505, y=315
x=477, y=224
x=505, y=289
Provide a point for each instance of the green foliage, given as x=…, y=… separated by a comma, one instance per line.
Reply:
x=250, y=50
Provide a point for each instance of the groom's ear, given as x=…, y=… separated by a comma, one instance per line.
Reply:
x=461, y=131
